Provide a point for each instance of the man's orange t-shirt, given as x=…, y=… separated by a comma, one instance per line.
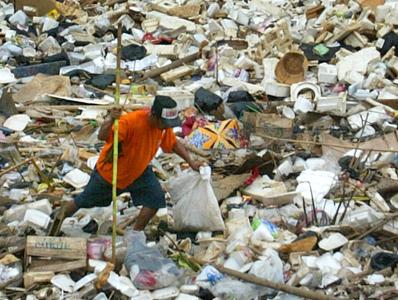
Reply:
x=140, y=142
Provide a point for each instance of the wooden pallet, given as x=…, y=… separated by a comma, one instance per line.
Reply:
x=55, y=254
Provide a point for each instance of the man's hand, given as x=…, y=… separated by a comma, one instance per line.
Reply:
x=195, y=165
x=106, y=127
x=181, y=151
x=115, y=113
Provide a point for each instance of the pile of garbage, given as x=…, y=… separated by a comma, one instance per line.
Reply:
x=293, y=105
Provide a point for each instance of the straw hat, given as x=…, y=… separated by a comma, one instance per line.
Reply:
x=291, y=68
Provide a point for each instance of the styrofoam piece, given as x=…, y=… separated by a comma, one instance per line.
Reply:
x=334, y=241
x=97, y=265
x=127, y=288
x=327, y=73
x=357, y=62
x=378, y=202
x=328, y=264
x=288, y=112
x=143, y=295
x=183, y=98
x=92, y=51
x=12, y=48
x=91, y=113
x=49, y=23
x=333, y=104
x=262, y=233
x=101, y=296
x=299, y=165
x=265, y=187
x=189, y=289
x=232, y=264
x=186, y=297
x=366, y=131
x=213, y=8
x=42, y=205
x=315, y=164
x=19, y=18
x=36, y=217
x=239, y=17
x=17, y=122
x=381, y=12
x=165, y=293
x=50, y=46
x=271, y=86
x=63, y=282
x=374, y=115
x=84, y=281
x=374, y=279
x=394, y=201
x=7, y=10
x=303, y=105
x=203, y=235
x=6, y=76
x=77, y=178
x=171, y=22
x=315, y=185
x=362, y=216
x=92, y=161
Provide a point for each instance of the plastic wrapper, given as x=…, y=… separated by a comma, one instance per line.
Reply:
x=236, y=290
x=270, y=267
x=148, y=269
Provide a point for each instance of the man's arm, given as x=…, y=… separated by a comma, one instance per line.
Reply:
x=181, y=151
x=106, y=127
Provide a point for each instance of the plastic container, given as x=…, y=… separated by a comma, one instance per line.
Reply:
x=327, y=73
x=37, y=218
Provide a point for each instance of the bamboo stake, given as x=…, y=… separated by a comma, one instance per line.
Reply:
x=116, y=143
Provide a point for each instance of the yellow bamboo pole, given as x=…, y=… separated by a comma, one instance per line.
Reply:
x=116, y=143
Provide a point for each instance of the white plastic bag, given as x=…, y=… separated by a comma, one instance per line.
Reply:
x=196, y=206
x=269, y=267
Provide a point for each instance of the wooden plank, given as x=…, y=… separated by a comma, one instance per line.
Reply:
x=57, y=247
x=32, y=278
x=43, y=6
x=56, y=266
x=270, y=124
x=156, y=72
x=180, y=72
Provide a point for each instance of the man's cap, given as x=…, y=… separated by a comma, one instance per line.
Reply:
x=165, y=108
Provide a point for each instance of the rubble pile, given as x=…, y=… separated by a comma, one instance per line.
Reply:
x=293, y=106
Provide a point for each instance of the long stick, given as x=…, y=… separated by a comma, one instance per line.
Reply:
x=175, y=64
x=323, y=144
x=277, y=286
x=257, y=280
x=116, y=144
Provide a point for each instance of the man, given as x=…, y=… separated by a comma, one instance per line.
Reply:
x=141, y=133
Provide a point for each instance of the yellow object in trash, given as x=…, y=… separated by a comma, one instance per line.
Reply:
x=54, y=14
x=221, y=135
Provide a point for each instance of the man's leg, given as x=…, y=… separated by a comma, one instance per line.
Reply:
x=146, y=214
x=98, y=192
x=146, y=191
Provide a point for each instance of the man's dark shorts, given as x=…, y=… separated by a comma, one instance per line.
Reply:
x=145, y=191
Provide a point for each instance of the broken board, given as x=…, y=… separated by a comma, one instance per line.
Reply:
x=55, y=254
x=42, y=6
x=270, y=124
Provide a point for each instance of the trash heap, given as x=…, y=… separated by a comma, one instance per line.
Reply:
x=292, y=105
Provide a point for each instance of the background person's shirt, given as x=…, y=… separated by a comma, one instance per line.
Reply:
x=139, y=144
